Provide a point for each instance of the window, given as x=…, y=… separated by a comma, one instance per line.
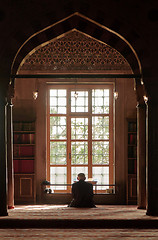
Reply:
x=80, y=134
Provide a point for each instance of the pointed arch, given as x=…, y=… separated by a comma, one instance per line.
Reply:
x=86, y=25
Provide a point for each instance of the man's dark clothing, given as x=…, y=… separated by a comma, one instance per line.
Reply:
x=82, y=193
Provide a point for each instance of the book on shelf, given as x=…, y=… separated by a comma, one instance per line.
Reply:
x=132, y=138
x=16, y=138
x=132, y=127
x=23, y=151
x=28, y=138
x=17, y=126
x=132, y=166
x=24, y=138
x=28, y=126
x=135, y=165
x=23, y=166
x=23, y=126
x=132, y=151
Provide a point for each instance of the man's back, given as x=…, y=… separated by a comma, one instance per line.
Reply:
x=82, y=193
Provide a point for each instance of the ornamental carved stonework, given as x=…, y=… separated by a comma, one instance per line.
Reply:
x=75, y=51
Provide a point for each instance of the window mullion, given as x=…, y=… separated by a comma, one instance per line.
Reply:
x=90, y=134
x=111, y=162
x=68, y=137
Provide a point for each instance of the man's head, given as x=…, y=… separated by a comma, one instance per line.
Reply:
x=81, y=176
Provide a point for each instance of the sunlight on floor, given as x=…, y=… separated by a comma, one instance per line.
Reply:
x=50, y=211
x=38, y=207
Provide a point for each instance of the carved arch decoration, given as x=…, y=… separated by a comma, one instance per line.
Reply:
x=74, y=51
x=85, y=25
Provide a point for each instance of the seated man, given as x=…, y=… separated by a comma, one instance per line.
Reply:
x=82, y=193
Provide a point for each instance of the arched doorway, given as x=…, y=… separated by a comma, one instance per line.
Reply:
x=100, y=59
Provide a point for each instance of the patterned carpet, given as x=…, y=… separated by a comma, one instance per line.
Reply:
x=74, y=234
x=104, y=222
x=63, y=212
x=61, y=216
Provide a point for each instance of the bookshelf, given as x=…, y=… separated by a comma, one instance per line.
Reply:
x=132, y=162
x=24, y=161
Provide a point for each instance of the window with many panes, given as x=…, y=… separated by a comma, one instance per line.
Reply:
x=80, y=134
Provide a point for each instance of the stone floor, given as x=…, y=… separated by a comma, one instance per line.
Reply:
x=60, y=222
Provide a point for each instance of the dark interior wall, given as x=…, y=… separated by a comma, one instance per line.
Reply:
x=136, y=21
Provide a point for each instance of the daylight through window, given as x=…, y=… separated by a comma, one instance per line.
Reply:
x=80, y=134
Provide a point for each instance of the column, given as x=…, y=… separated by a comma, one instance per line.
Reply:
x=141, y=156
x=10, y=155
x=3, y=162
x=152, y=158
